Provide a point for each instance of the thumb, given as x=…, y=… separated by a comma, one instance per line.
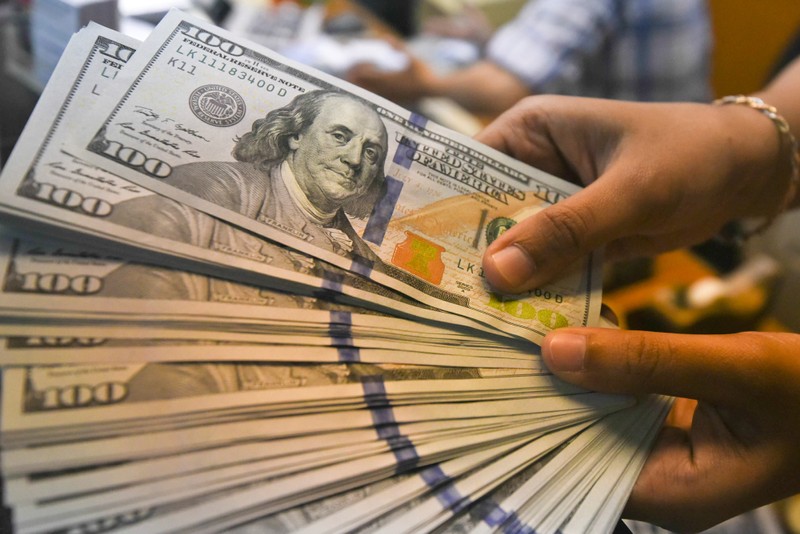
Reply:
x=711, y=368
x=541, y=247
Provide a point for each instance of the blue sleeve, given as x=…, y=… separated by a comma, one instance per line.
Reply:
x=550, y=40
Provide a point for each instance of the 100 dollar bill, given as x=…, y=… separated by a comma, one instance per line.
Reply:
x=44, y=183
x=233, y=130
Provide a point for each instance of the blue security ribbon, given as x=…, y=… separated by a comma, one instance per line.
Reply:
x=361, y=265
x=349, y=354
x=420, y=121
x=404, y=155
x=382, y=213
x=386, y=425
x=509, y=522
x=447, y=494
x=340, y=327
x=403, y=448
x=332, y=281
x=340, y=330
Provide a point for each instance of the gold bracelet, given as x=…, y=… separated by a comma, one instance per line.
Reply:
x=787, y=141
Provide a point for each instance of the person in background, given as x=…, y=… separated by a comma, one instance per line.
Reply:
x=621, y=49
x=659, y=176
x=399, y=15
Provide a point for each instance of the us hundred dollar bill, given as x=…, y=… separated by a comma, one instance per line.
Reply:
x=233, y=130
x=96, y=400
x=46, y=184
x=47, y=281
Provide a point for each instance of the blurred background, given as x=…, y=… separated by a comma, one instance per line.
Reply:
x=461, y=62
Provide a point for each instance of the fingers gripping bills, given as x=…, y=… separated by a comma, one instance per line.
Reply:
x=327, y=171
x=242, y=295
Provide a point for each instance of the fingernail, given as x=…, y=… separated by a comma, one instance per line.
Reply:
x=514, y=264
x=564, y=352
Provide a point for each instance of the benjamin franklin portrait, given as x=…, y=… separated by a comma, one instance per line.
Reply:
x=308, y=166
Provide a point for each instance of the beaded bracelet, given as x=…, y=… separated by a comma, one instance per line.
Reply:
x=787, y=141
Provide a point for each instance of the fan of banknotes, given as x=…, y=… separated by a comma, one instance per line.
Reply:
x=241, y=295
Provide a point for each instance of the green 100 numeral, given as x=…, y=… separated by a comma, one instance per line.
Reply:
x=522, y=309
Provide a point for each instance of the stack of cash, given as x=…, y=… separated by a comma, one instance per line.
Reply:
x=241, y=295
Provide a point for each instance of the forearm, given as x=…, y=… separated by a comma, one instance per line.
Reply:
x=784, y=94
x=483, y=88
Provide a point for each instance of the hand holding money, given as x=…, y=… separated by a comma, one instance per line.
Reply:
x=243, y=295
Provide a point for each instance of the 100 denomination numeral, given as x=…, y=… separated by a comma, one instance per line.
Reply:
x=60, y=342
x=79, y=395
x=130, y=157
x=81, y=284
x=522, y=309
x=67, y=198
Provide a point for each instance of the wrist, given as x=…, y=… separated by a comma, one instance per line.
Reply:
x=764, y=155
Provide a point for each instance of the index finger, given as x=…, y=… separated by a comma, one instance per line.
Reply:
x=722, y=369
